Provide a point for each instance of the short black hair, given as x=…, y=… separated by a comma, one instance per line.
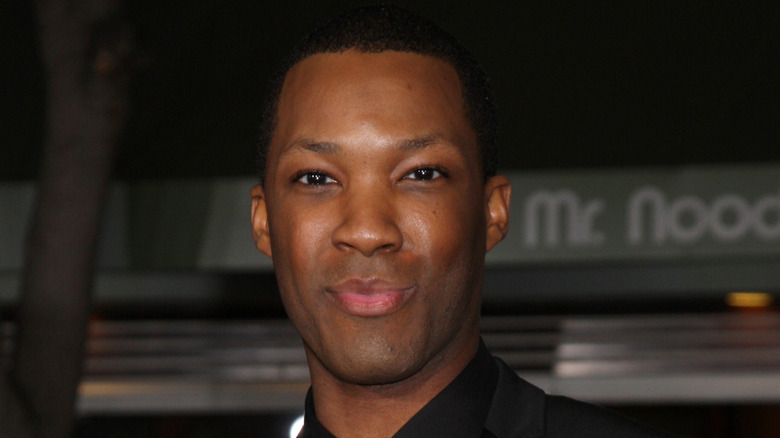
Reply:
x=379, y=28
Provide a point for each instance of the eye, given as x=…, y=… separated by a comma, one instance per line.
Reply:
x=313, y=178
x=426, y=173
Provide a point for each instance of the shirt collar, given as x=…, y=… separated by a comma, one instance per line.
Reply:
x=459, y=410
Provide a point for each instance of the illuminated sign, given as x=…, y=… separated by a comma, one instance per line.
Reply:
x=642, y=214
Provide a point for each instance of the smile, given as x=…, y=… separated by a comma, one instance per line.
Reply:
x=369, y=298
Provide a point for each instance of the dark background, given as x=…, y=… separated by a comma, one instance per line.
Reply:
x=578, y=84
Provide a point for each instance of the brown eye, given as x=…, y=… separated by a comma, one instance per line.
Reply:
x=314, y=178
x=424, y=174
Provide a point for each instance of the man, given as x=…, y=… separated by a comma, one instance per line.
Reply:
x=378, y=201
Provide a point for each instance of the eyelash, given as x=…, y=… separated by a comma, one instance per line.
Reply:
x=436, y=168
x=443, y=173
x=303, y=173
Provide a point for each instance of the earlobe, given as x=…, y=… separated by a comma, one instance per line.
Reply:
x=498, y=192
x=260, y=230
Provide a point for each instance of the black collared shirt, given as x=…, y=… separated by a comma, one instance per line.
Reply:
x=458, y=411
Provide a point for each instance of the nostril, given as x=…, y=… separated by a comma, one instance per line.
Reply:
x=368, y=234
x=369, y=243
x=386, y=247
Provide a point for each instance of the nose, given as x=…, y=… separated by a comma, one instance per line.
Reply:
x=369, y=223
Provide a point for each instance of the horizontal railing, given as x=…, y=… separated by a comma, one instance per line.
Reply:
x=198, y=365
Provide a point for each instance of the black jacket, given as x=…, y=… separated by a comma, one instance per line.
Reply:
x=520, y=409
x=489, y=400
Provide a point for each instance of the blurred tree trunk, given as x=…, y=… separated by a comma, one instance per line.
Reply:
x=84, y=47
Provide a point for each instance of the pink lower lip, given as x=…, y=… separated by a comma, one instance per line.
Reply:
x=371, y=304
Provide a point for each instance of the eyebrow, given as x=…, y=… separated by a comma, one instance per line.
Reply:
x=322, y=147
x=417, y=143
x=326, y=147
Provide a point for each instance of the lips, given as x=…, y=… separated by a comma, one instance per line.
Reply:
x=369, y=297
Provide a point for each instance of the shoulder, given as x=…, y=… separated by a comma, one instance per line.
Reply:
x=520, y=409
x=565, y=417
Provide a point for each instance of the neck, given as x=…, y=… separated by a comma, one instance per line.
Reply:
x=352, y=410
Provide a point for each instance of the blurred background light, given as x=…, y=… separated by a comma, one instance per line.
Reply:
x=749, y=299
x=296, y=427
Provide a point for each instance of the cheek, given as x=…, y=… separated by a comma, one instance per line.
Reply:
x=450, y=231
x=299, y=235
x=455, y=235
x=298, y=241
x=294, y=259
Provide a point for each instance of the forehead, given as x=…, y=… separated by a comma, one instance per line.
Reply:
x=331, y=94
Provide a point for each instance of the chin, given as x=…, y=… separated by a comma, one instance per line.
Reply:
x=372, y=374
x=373, y=362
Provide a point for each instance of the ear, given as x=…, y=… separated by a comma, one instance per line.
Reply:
x=260, y=231
x=498, y=191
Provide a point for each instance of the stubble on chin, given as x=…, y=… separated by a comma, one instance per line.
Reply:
x=368, y=359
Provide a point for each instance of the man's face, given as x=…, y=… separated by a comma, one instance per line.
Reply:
x=376, y=214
